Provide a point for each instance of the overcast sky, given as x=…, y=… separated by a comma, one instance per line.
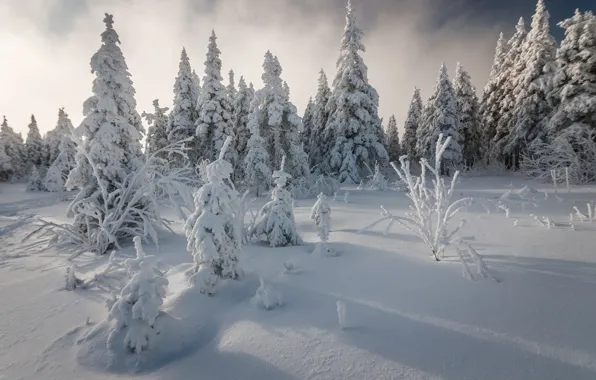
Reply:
x=46, y=45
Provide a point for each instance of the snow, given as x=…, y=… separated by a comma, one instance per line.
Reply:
x=408, y=317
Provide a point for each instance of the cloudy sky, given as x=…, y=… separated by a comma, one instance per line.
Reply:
x=45, y=45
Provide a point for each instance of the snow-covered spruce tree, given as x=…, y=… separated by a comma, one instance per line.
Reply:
x=213, y=233
x=307, y=126
x=58, y=171
x=182, y=117
x=408, y=144
x=34, y=182
x=275, y=222
x=353, y=126
x=531, y=106
x=441, y=117
x=138, y=308
x=196, y=82
x=157, y=134
x=321, y=214
x=109, y=149
x=490, y=110
x=393, y=145
x=277, y=121
x=34, y=146
x=231, y=90
x=507, y=85
x=467, y=109
x=574, y=85
x=214, y=121
x=318, y=145
x=53, y=138
x=257, y=172
x=15, y=149
x=240, y=116
x=6, y=169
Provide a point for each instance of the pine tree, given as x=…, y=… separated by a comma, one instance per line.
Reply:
x=490, y=109
x=411, y=126
x=467, y=108
x=157, y=134
x=307, y=124
x=257, y=171
x=6, y=169
x=111, y=132
x=196, y=82
x=13, y=146
x=508, y=81
x=58, y=171
x=240, y=116
x=353, y=126
x=215, y=120
x=34, y=183
x=53, y=138
x=531, y=106
x=574, y=85
x=393, y=146
x=318, y=144
x=34, y=146
x=441, y=117
x=212, y=231
x=278, y=122
x=183, y=116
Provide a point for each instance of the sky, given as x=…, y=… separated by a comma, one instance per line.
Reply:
x=46, y=45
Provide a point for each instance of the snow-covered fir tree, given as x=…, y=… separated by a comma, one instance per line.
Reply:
x=307, y=125
x=34, y=183
x=111, y=132
x=490, y=107
x=467, y=109
x=196, y=82
x=275, y=222
x=213, y=233
x=6, y=169
x=321, y=215
x=256, y=163
x=55, y=178
x=574, y=85
x=214, y=121
x=441, y=117
x=14, y=148
x=231, y=90
x=506, y=95
x=408, y=144
x=54, y=137
x=317, y=146
x=34, y=146
x=353, y=126
x=531, y=106
x=182, y=117
x=157, y=133
x=241, y=109
x=277, y=121
x=393, y=145
x=137, y=309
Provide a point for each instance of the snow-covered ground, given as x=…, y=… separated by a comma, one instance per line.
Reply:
x=407, y=317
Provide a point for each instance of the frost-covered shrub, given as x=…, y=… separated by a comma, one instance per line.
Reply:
x=71, y=280
x=321, y=214
x=275, y=223
x=34, y=183
x=377, y=179
x=266, y=296
x=137, y=309
x=213, y=231
x=432, y=209
x=307, y=187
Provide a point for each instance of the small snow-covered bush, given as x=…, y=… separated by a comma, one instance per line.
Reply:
x=432, y=209
x=308, y=187
x=137, y=309
x=321, y=214
x=275, y=222
x=570, y=157
x=377, y=181
x=213, y=230
x=130, y=208
x=34, y=183
x=267, y=296
x=71, y=279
